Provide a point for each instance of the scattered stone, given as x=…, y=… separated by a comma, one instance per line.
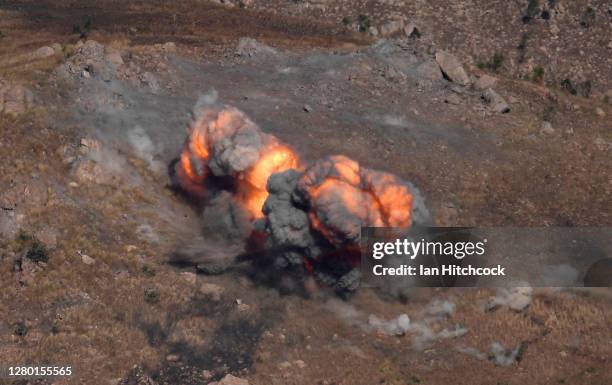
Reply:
x=86, y=259
x=516, y=298
x=504, y=357
x=172, y=358
x=115, y=59
x=43, y=52
x=452, y=68
x=284, y=365
x=213, y=268
x=207, y=374
x=600, y=112
x=190, y=277
x=484, y=82
x=169, y=47
x=15, y=99
x=429, y=70
x=547, y=128
x=215, y=292
x=373, y=31
x=250, y=47
x=452, y=99
x=412, y=31
x=391, y=28
x=495, y=101
x=307, y=108
x=232, y=380
x=300, y=364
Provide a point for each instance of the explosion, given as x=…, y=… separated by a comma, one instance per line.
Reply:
x=345, y=197
x=311, y=218
x=224, y=142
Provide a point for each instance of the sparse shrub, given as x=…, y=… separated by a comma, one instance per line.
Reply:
x=584, y=88
x=37, y=252
x=151, y=296
x=22, y=237
x=550, y=110
x=20, y=329
x=533, y=9
x=494, y=64
x=606, y=99
x=538, y=74
x=522, y=47
x=83, y=30
x=149, y=270
x=363, y=23
x=346, y=20
x=587, y=18
x=568, y=86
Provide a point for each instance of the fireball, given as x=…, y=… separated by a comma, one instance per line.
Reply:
x=273, y=158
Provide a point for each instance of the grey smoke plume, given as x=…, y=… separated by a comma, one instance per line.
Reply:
x=419, y=329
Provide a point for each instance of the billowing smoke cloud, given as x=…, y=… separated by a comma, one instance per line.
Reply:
x=309, y=218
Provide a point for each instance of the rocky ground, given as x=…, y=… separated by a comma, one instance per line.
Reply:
x=497, y=111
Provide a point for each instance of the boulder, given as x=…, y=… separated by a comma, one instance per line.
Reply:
x=391, y=28
x=452, y=68
x=232, y=380
x=43, y=52
x=484, y=82
x=495, y=101
x=429, y=70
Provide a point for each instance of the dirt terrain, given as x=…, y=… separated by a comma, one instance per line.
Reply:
x=88, y=220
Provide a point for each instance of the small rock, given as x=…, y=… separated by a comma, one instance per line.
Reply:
x=214, y=292
x=495, y=101
x=169, y=47
x=429, y=70
x=115, y=59
x=190, y=277
x=232, y=380
x=57, y=47
x=250, y=47
x=452, y=99
x=284, y=365
x=172, y=358
x=600, y=112
x=300, y=364
x=484, y=82
x=373, y=31
x=43, y=52
x=412, y=31
x=547, y=128
x=519, y=298
x=86, y=258
x=391, y=28
x=307, y=108
x=453, y=69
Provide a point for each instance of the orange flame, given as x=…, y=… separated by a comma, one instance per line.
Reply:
x=273, y=158
x=348, y=197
